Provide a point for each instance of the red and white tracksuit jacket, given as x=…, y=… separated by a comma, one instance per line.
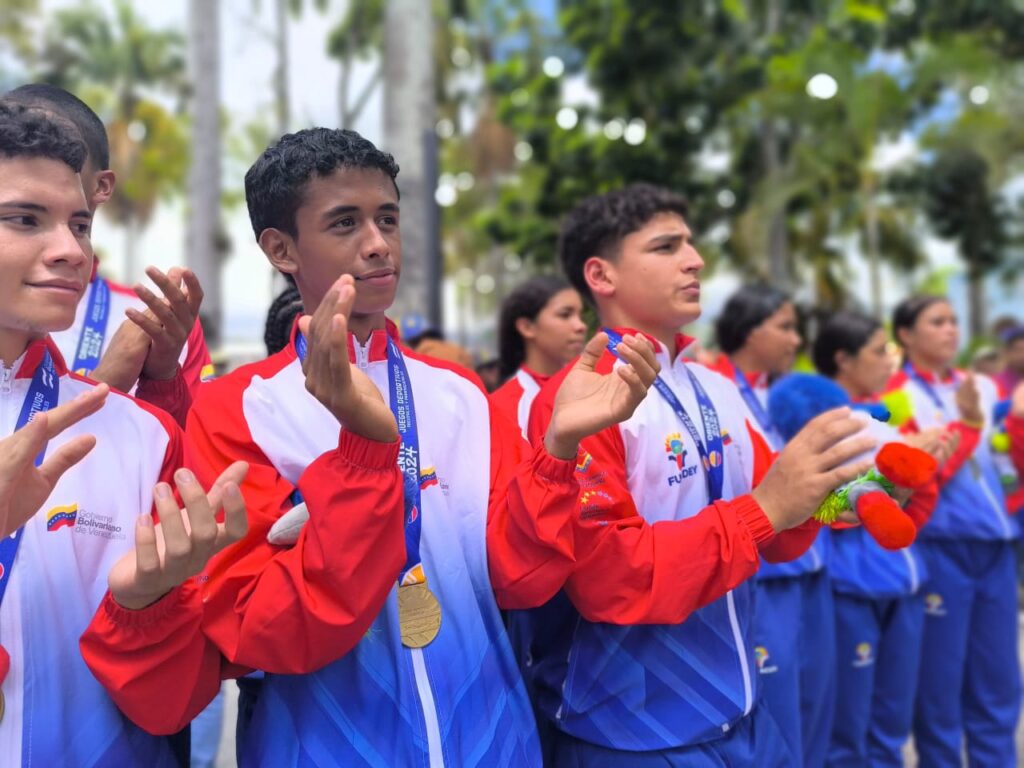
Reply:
x=515, y=397
x=497, y=531
x=57, y=713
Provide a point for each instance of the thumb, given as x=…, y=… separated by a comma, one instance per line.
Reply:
x=592, y=353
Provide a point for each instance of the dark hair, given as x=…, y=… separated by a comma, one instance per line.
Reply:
x=26, y=132
x=598, y=224
x=527, y=300
x=275, y=184
x=280, y=319
x=71, y=108
x=907, y=311
x=746, y=309
x=846, y=331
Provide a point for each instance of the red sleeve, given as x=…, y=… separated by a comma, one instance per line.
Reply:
x=176, y=395
x=629, y=571
x=1015, y=431
x=293, y=610
x=787, y=545
x=922, y=503
x=197, y=366
x=287, y=611
x=530, y=518
x=172, y=396
x=969, y=437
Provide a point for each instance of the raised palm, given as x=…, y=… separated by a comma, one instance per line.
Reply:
x=23, y=486
x=589, y=401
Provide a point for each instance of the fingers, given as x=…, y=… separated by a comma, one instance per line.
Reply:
x=147, y=554
x=637, y=387
x=592, y=352
x=845, y=451
x=64, y=458
x=177, y=300
x=24, y=445
x=147, y=324
x=163, y=310
x=638, y=353
x=195, y=292
x=177, y=545
x=236, y=521
x=201, y=522
x=340, y=367
x=826, y=430
x=63, y=416
x=845, y=474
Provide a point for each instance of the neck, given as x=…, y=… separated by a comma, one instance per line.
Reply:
x=13, y=345
x=540, y=363
x=931, y=365
x=363, y=326
x=612, y=317
x=744, y=362
x=851, y=388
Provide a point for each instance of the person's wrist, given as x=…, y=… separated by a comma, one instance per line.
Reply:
x=561, y=446
x=160, y=372
x=767, y=504
x=137, y=602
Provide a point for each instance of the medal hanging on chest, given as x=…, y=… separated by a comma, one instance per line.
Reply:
x=419, y=611
x=419, y=615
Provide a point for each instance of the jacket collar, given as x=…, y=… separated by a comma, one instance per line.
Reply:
x=376, y=346
x=33, y=358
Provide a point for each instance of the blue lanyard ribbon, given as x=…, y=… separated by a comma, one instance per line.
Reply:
x=42, y=396
x=926, y=386
x=761, y=415
x=712, y=455
x=94, y=330
x=404, y=410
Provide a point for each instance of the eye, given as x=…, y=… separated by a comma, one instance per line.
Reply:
x=389, y=221
x=81, y=228
x=345, y=222
x=22, y=220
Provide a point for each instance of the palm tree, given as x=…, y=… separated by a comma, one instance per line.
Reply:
x=119, y=66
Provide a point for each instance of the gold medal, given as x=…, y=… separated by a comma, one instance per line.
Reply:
x=419, y=615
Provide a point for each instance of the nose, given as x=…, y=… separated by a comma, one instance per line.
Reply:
x=578, y=326
x=375, y=246
x=63, y=247
x=692, y=260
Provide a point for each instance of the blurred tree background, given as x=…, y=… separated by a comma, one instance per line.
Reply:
x=817, y=140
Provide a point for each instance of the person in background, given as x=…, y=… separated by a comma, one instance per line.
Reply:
x=757, y=332
x=970, y=688
x=1012, y=372
x=879, y=606
x=159, y=353
x=988, y=361
x=540, y=330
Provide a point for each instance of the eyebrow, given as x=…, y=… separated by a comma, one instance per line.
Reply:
x=668, y=238
x=339, y=210
x=22, y=205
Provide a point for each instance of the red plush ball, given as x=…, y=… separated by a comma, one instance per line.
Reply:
x=885, y=521
x=905, y=465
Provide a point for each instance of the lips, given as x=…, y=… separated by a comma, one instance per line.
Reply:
x=376, y=275
x=57, y=284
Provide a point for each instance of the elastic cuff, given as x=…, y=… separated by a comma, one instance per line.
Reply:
x=151, y=614
x=176, y=382
x=550, y=468
x=753, y=517
x=969, y=429
x=362, y=452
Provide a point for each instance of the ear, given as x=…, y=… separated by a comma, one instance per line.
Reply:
x=600, y=275
x=843, y=359
x=525, y=328
x=105, y=183
x=279, y=248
